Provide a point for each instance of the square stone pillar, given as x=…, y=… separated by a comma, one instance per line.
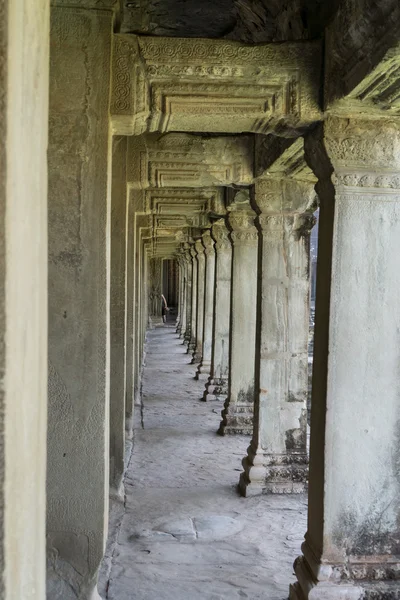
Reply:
x=237, y=416
x=203, y=370
x=351, y=549
x=79, y=277
x=277, y=459
x=193, y=266
x=24, y=92
x=188, y=296
x=183, y=292
x=217, y=385
x=179, y=293
x=200, y=301
x=117, y=311
x=155, y=287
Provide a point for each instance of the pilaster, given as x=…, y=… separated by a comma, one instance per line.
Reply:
x=351, y=548
x=237, y=416
x=203, y=370
x=277, y=459
x=217, y=385
x=79, y=303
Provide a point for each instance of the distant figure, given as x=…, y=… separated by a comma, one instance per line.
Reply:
x=164, y=308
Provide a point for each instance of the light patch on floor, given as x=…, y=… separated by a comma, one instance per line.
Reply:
x=183, y=532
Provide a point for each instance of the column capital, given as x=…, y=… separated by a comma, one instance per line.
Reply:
x=208, y=242
x=285, y=195
x=220, y=234
x=199, y=248
x=357, y=153
x=241, y=220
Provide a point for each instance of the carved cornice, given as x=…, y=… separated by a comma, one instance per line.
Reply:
x=172, y=84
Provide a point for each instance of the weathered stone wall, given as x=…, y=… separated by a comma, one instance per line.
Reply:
x=79, y=221
x=24, y=33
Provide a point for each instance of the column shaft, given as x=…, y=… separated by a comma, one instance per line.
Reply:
x=79, y=216
x=352, y=543
x=200, y=302
x=192, y=342
x=237, y=416
x=188, y=298
x=277, y=457
x=117, y=312
x=217, y=385
x=203, y=370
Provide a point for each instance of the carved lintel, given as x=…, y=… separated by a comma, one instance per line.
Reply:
x=164, y=84
x=184, y=160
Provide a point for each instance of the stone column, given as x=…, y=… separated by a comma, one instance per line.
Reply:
x=200, y=301
x=277, y=459
x=24, y=92
x=192, y=341
x=79, y=277
x=237, y=416
x=179, y=293
x=155, y=287
x=351, y=550
x=182, y=324
x=217, y=386
x=188, y=296
x=203, y=370
x=117, y=311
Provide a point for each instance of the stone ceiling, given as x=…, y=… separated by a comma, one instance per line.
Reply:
x=249, y=21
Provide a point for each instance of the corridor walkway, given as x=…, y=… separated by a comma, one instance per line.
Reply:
x=184, y=532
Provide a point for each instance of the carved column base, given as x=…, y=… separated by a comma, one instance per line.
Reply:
x=216, y=389
x=237, y=419
x=203, y=371
x=273, y=474
x=362, y=578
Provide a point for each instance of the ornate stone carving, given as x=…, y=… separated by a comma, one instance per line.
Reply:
x=183, y=201
x=221, y=235
x=208, y=242
x=183, y=160
x=216, y=85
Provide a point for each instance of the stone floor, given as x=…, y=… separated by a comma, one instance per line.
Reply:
x=183, y=532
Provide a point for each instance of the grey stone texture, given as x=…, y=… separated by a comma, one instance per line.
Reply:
x=79, y=210
x=351, y=543
x=277, y=460
x=183, y=530
x=237, y=415
x=118, y=312
x=23, y=296
x=217, y=385
x=203, y=370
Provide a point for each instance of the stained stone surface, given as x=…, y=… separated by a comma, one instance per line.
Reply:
x=184, y=531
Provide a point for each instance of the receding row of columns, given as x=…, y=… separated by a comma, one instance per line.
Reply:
x=259, y=342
